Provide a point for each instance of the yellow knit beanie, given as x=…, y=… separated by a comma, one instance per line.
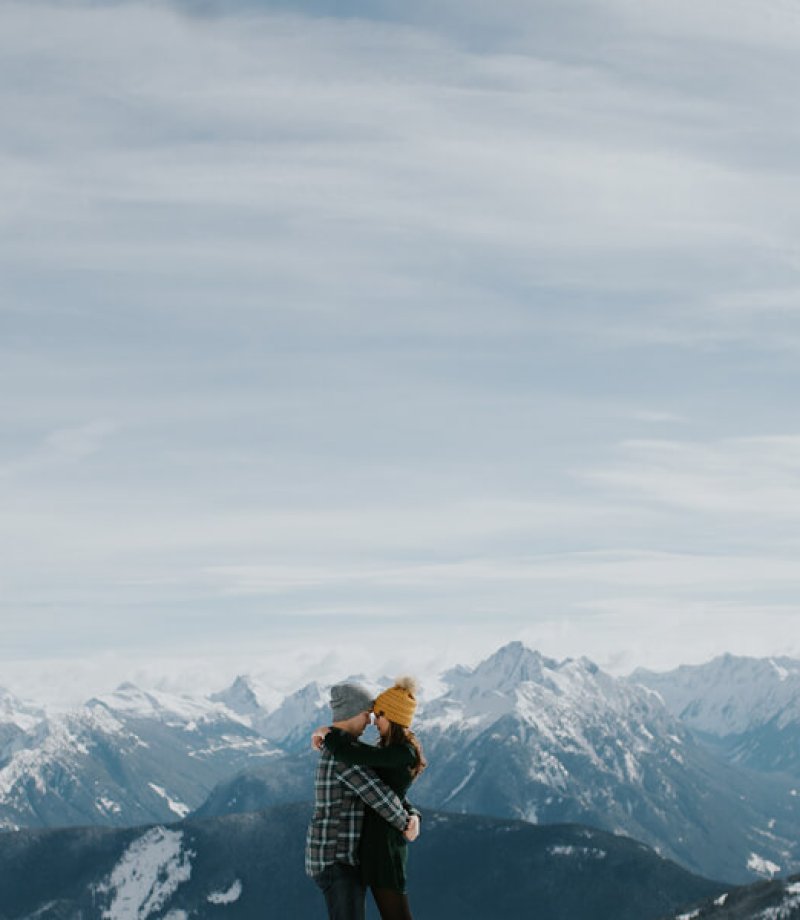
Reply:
x=398, y=703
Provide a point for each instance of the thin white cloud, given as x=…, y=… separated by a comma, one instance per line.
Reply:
x=758, y=476
x=657, y=416
x=772, y=25
x=441, y=147
x=60, y=447
x=632, y=570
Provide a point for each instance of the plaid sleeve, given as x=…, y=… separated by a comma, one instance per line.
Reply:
x=412, y=809
x=366, y=785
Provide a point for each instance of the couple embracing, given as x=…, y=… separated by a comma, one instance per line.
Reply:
x=362, y=822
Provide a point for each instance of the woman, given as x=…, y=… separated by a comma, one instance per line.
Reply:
x=398, y=760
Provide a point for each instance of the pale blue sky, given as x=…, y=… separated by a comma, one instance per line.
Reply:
x=440, y=328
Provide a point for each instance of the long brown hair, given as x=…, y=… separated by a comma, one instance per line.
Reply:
x=399, y=734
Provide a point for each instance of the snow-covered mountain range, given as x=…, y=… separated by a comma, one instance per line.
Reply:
x=525, y=736
x=729, y=695
x=122, y=759
x=518, y=736
x=749, y=706
x=283, y=720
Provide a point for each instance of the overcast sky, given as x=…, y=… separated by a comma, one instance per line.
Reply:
x=392, y=332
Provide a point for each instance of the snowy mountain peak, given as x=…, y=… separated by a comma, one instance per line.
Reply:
x=516, y=659
x=549, y=697
x=730, y=694
x=249, y=697
x=502, y=671
x=310, y=691
x=288, y=724
x=18, y=713
x=132, y=702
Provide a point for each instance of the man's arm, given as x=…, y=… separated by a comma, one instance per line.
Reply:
x=349, y=751
x=374, y=793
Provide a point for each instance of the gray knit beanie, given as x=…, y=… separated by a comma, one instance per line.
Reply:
x=348, y=700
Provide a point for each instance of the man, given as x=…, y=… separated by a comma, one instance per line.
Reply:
x=341, y=793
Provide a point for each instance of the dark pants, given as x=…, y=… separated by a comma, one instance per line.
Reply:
x=344, y=892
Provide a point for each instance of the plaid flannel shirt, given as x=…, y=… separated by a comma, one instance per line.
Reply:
x=341, y=794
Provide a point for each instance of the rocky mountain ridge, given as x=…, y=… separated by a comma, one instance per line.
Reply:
x=125, y=758
x=518, y=736
x=749, y=708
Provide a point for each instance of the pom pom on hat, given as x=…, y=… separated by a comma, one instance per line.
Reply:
x=399, y=702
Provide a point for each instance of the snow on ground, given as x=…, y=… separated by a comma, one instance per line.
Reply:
x=26, y=716
x=188, y=713
x=226, y=897
x=174, y=805
x=779, y=670
x=107, y=806
x=729, y=695
x=590, y=852
x=787, y=909
x=762, y=866
x=29, y=764
x=463, y=783
x=150, y=871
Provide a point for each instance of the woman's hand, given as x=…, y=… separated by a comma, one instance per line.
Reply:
x=318, y=737
x=412, y=829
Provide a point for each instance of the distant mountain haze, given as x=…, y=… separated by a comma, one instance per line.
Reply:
x=749, y=707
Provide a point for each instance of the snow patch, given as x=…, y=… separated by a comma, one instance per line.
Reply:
x=781, y=672
x=29, y=765
x=730, y=695
x=460, y=786
x=226, y=897
x=108, y=806
x=174, y=805
x=762, y=866
x=785, y=910
x=588, y=852
x=150, y=871
x=632, y=767
x=173, y=710
x=721, y=900
x=26, y=716
x=100, y=718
